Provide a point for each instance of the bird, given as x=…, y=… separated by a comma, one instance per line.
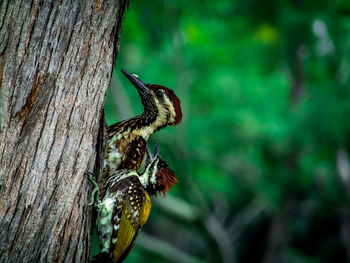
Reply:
x=126, y=205
x=127, y=139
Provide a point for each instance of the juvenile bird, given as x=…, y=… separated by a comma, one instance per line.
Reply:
x=126, y=205
x=127, y=139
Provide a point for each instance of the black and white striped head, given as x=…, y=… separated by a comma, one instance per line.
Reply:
x=160, y=103
x=157, y=176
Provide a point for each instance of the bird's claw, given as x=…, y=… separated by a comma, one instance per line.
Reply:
x=96, y=189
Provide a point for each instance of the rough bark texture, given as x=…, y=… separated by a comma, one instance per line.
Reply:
x=56, y=61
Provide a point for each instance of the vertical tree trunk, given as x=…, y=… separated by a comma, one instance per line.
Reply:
x=56, y=60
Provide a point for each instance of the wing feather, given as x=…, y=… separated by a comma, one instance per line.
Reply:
x=130, y=224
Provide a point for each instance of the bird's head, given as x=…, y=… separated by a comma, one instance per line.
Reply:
x=157, y=177
x=158, y=101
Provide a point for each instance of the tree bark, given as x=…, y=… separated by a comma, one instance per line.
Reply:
x=56, y=62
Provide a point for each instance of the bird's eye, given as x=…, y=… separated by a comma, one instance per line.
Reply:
x=159, y=94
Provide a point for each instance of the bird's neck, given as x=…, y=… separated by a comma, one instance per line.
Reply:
x=148, y=177
x=146, y=124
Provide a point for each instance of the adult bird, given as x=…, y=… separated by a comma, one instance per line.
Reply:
x=127, y=139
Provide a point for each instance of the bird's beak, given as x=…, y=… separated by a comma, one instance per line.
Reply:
x=139, y=84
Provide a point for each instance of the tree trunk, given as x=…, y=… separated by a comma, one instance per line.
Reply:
x=56, y=60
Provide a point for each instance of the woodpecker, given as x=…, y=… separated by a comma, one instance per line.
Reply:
x=126, y=205
x=127, y=139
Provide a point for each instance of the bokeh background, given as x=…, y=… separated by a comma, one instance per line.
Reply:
x=262, y=154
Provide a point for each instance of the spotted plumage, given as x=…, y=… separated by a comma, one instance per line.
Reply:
x=127, y=139
x=126, y=205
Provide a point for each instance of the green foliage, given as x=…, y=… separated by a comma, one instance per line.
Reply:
x=265, y=93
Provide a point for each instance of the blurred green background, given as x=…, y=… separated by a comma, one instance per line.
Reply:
x=262, y=153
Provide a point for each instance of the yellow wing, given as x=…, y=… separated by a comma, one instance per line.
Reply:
x=130, y=224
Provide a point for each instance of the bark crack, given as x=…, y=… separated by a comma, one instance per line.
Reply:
x=3, y=14
x=23, y=219
x=31, y=98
